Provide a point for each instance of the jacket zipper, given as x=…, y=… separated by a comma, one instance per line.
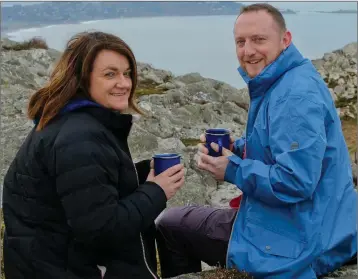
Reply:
x=140, y=235
x=232, y=229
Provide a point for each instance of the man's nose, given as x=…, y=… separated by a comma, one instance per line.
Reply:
x=249, y=49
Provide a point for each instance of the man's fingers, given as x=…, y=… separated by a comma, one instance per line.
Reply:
x=215, y=146
x=232, y=140
x=207, y=159
x=202, y=138
x=152, y=164
x=202, y=148
x=204, y=165
x=226, y=152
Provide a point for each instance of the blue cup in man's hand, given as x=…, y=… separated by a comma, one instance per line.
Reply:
x=220, y=136
x=164, y=161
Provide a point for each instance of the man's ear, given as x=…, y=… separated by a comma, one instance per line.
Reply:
x=287, y=39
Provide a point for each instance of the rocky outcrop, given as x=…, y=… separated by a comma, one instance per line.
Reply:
x=339, y=71
x=178, y=109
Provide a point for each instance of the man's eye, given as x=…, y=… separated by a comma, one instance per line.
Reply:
x=240, y=43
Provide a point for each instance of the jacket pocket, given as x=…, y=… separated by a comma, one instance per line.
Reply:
x=270, y=242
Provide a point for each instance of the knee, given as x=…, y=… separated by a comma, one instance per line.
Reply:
x=169, y=218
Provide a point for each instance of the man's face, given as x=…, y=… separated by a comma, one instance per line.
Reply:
x=259, y=41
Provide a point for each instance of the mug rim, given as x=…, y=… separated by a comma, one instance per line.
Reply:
x=211, y=130
x=166, y=156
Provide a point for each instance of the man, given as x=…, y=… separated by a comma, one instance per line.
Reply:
x=297, y=217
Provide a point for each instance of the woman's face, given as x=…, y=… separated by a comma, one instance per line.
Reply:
x=110, y=80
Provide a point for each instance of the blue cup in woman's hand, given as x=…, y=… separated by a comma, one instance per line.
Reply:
x=220, y=136
x=164, y=161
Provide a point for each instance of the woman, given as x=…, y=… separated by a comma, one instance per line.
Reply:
x=73, y=199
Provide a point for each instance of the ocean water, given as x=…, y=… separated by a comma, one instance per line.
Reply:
x=202, y=44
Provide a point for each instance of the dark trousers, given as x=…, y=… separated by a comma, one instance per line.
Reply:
x=191, y=234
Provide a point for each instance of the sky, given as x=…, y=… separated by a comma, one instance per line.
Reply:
x=296, y=6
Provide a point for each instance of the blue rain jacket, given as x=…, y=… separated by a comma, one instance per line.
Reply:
x=298, y=214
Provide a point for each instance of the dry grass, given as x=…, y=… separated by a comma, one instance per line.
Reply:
x=349, y=128
x=148, y=88
x=222, y=273
x=149, y=91
x=26, y=45
x=190, y=142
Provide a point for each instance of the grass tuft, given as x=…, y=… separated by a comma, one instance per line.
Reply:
x=34, y=43
x=149, y=91
x=190, y=142
x=222, y=273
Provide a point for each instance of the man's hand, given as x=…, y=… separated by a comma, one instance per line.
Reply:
x=203, y=149
x=215, y=165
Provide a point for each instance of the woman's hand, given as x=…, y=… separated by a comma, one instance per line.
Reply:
x=171, y=180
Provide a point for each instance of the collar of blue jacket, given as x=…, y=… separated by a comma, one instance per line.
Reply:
x=288, y=59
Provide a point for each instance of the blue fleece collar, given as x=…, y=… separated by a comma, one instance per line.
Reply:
x=288, y=59
x=72, y=106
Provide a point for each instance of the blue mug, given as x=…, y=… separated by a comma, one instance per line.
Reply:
x=219, y=136
x=164, y=161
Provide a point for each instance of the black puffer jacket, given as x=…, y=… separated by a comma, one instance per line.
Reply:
x=72, y=201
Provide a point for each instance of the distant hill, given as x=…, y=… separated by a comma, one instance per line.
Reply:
x=339, y=12
x=48, y=13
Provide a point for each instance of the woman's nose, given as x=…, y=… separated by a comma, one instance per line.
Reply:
x=123, y=81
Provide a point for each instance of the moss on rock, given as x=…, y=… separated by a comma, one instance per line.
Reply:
x=190, y=142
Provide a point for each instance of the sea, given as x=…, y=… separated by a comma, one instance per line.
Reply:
x=202, y=44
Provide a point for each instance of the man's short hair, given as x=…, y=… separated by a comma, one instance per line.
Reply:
x=274, y=12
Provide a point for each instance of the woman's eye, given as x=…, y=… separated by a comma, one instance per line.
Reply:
x=127, y=73
x=110, y=74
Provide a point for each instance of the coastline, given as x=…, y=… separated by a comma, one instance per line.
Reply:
x=22, y=26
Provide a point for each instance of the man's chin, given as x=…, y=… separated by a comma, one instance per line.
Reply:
x=254, y=73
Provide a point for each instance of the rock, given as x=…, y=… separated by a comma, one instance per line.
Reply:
x=148, y=74
x=190, y=78
x=349, y=272
x=224, y=194
x=350, y=50
x=346, y=272
x=339, y=70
